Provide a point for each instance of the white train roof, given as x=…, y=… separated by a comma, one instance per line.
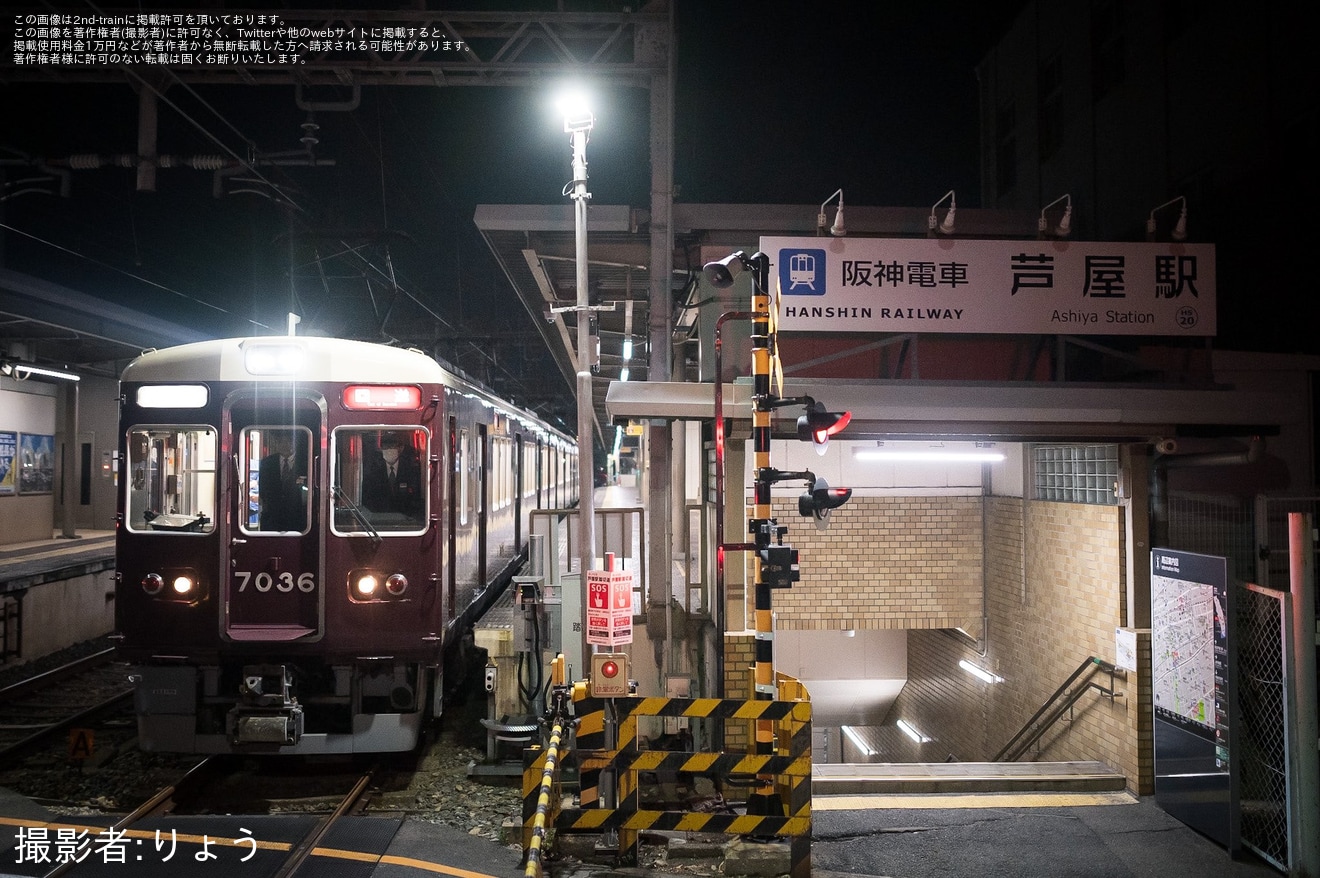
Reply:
x=283, y=359
x=287, y=358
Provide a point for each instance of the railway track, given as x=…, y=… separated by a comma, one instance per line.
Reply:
x=292, y=805
x=193, y=793
x=35, y=711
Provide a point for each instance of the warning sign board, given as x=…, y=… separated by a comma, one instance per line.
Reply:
x=82, y=744
x=609, y=607
x=609, y=590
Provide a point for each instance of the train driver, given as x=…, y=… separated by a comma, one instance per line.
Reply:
x=282, y=484
x=392, y=482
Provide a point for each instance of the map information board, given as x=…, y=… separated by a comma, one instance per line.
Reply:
x=1183, y=654
x=1190, y=623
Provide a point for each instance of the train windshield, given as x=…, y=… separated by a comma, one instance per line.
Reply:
x=171, y=479
x=381, y=480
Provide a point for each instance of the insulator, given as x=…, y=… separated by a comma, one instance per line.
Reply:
x=84, y=162
x=206, y=162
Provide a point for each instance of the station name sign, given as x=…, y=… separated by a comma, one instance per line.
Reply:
x=992, y=286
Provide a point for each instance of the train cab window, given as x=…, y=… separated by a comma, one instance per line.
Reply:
x=381, y=480
x=278, y=481
x=171, y=479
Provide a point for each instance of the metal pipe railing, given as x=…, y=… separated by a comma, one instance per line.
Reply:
x=1032, y=730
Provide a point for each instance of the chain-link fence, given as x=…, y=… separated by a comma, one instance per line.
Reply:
x=1218, y=526
x=1254, y=539
x=1258, y=724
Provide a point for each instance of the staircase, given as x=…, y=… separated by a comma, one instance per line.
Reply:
x=1005, y=773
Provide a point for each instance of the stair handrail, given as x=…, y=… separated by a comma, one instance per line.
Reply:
x=1032, y=730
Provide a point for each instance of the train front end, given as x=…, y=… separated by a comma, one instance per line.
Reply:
x=279, y=558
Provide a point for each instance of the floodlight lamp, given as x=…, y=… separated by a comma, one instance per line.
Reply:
x=945, y=227
x=1065, y=222
x=838, y=230
x=721, y=274
x=1179, y=230
x=577, y=114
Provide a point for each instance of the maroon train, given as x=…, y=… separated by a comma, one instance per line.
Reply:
x=308, y=528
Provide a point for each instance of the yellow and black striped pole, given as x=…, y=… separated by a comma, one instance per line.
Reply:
x=764, y=800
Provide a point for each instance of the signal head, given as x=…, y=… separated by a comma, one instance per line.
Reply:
x=818, y=502
x=818, y=425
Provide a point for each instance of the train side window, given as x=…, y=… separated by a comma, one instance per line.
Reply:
x=381, y=478
x=171, y=480
x=277, y=478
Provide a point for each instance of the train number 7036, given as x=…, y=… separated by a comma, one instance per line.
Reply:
x=284, y=582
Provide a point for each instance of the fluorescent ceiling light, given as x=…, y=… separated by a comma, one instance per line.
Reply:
x=911, y=731
x=932, y=455
x=623, y=374
x=979, y=672
x=857, y=741
x=22, y=371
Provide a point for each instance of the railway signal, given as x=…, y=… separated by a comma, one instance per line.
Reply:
x=820, y=500
x=817, y=425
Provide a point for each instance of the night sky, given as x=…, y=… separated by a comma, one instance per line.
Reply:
x=776, y=102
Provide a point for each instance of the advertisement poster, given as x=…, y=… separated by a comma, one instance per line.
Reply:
x=36, y=472
x=8, y=451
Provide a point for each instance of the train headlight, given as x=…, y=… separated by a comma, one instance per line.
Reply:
x=366, y=585
x=183, y=585
x=152, y=583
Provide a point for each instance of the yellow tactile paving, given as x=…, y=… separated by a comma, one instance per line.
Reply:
x=980, y=800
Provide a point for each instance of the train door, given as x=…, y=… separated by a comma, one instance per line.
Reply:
x=517, y=462
x=483, y=504
x=455, y=474
x=275, y=587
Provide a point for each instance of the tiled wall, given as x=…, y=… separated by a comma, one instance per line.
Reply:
x=739, y=661
x=885, y=562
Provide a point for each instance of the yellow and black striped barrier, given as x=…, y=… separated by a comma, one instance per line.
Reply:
x=789, y=766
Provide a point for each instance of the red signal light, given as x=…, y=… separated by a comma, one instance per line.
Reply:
x=818, y=425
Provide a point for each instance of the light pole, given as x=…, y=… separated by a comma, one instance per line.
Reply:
x=578, y=121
